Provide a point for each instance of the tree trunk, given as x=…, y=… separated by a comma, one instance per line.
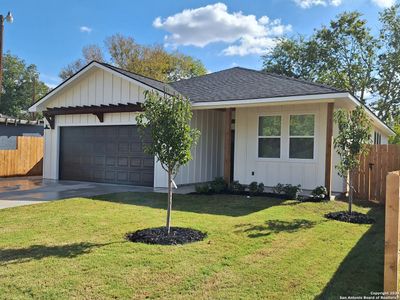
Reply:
x=169, y=202
x=351, y=190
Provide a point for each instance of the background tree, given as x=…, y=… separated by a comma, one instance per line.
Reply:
x=152, y=61
x=21, y=85
x=167, y=118
x=89, y=53
x=387, y=85
x=340, y=55
x=294, y=57
x=351, y=142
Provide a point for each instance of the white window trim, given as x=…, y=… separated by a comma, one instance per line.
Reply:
x=377, y=138
x=263, y=136
x=297, y=136
x=285, y=137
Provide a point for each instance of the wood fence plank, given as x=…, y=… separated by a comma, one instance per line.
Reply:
x=370, y=178
x=18, y=162
x=392, y=230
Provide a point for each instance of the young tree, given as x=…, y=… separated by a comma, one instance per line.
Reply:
x=395, y=139
x=167, y=118
x=351, y=142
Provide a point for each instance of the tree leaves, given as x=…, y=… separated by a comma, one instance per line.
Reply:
x=353, y=138
x=340, y=55
x=151, y=61
x=168, y=120
x=20, y=83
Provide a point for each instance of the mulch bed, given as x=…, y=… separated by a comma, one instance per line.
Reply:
x=244, y=193
x=354, y=217
x=159, y=236
x=312, y=199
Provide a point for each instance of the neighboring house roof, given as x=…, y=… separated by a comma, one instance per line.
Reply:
x=8, y=120
x=240, y=84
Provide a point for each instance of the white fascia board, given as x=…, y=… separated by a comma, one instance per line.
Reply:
x=322, y=98
x=263, y=101
x=379, y=122
x=38, y=106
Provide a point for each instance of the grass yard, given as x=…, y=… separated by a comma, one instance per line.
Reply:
x=258, y=248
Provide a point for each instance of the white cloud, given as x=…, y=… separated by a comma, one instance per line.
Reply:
x=384, y=3
x=213, y=23
x=85, y=29
x=310, y=3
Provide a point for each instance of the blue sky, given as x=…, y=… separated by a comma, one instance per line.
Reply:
x=51, y=33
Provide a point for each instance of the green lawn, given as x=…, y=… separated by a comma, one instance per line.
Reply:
x=258, y=248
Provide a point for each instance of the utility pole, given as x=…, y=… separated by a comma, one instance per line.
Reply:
x=9, y=18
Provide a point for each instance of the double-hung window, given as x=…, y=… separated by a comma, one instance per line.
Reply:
x=301, y=136
x=269, y=137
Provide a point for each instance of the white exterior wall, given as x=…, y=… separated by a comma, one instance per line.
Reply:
x=207, y=155
x=308, y=173
x=98, y=87
x=101, y=87
x=384, y=137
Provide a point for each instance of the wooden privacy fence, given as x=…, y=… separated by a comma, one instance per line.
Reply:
x=370, y=178
x=27, y=159
x=392, y=231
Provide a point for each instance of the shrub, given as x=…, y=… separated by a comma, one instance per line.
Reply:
x=292, y=191
x=260, y=188
x=279, y=188
x=202, y=188
x=253, y=188
x=236, y=187
x=320, y=192
x=218, y=185
x=256, y=188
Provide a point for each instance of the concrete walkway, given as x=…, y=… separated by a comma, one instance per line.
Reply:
x=19, y=191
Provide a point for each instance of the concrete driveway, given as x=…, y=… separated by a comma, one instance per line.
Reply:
x=19, y=191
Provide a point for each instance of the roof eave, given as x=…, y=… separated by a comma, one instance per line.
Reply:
x=39, y=105
x=304, y=99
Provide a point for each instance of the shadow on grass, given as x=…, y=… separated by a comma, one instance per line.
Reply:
x=228, y=205
x=361, y=272
x=275, y=226
x=37, y=252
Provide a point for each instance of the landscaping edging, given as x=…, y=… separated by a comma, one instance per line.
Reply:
x=159, y=236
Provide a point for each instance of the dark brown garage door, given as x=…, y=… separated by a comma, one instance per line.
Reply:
x=111, y=154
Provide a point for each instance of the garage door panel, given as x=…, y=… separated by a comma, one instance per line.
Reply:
x=148, y=162
x=111, y=161
x=112, y=154
x=123, y=147
x=123, y=162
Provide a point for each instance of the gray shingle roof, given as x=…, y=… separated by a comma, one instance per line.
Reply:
x=156, y=84
x=240, y=84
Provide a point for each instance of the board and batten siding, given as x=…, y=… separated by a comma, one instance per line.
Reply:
x=96, y=87
x=207, y=162
x=308, y=173
x=101, y=87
